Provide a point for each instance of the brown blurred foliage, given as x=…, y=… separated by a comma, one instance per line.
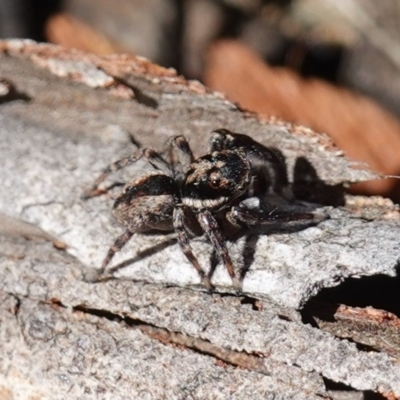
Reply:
x=359, y=126
x=70, y=32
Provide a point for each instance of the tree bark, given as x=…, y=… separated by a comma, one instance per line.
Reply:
x=152, y=331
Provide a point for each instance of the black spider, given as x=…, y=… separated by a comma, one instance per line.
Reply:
x=232, y=185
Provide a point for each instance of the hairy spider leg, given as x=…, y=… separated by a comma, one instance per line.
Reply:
x=183, y=240
x=120, y=242
x=180, y=157
x=210, y=226
x=147, y=153
x=254, y=214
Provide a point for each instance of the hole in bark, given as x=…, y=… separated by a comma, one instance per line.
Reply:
x=369, y=395
x=341, y=387
x=337, y=386
x=255, y=304
x=378, y=291
x=343, y=311
x=318, y=309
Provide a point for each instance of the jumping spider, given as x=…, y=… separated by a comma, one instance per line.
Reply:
x=231, y=185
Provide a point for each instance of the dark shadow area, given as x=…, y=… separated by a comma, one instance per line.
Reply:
x=307, y=186
x=252, y=301
x=248, y=254
x=318, y=309
x=94, y=275
x=309, y=56
x=341, y=387
x=336, y=386
x=143, y=254
x=378, y=291
x=214, y=260
x=315, y=59
x=11, y=93
x=253, y=236
x=140, y=96
x=26, y=18
x=364, y=347
x=370, y=395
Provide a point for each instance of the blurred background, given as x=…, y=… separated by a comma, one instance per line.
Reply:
x=332, y=65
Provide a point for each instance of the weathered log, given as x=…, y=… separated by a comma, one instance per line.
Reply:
x=152, y=331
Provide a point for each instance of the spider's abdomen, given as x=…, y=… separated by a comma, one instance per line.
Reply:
x=216, y=179
x=147, y=203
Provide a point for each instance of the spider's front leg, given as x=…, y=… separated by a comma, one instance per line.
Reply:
x=183, y=240
x=180, y=157
x=119, y=243
x=210, y=227
x=255, y=214
x=147, y=153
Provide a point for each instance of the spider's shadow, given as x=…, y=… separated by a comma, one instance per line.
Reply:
x=250, y=244
x=248, y=256
x=307, y=188
x=141, y=255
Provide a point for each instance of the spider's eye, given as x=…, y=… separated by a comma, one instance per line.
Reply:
x=215, y=181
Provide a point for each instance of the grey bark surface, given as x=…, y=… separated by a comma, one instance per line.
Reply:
x=153, y=331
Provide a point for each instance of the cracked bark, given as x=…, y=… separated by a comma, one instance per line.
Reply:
x=147, y=333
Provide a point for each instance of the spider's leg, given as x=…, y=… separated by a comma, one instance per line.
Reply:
x=255, y=214
x=210, y=226
x=183, y=240
x=149, y=154
x=219, y=140
x=180, y=156
x=120, y=242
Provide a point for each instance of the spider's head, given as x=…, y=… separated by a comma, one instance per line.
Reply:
x=216, y=179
